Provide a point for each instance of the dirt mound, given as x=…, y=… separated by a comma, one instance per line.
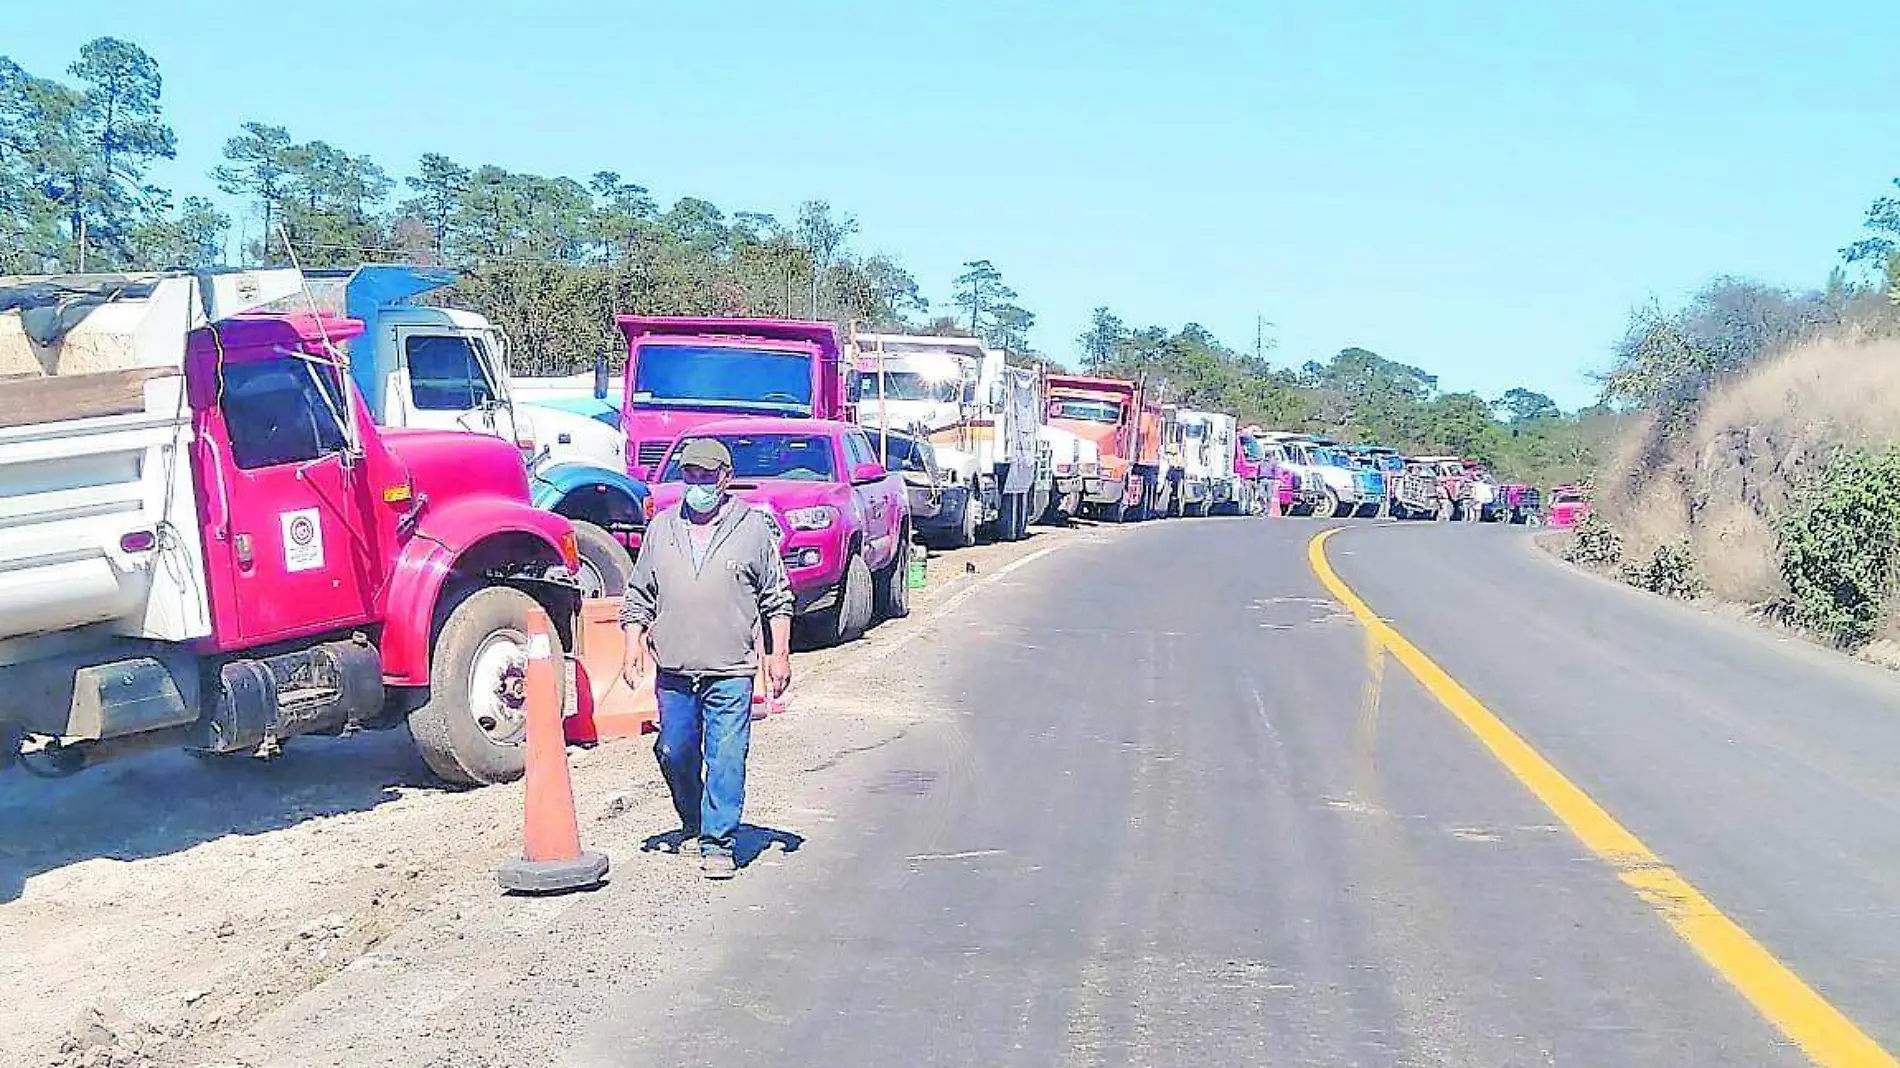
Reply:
x=1722, y=481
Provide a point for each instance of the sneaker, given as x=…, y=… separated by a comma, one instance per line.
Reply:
x=718, y=866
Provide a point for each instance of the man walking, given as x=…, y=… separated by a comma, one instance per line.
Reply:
x=708, y=575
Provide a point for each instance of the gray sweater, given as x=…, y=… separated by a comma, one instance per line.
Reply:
x=703, y=620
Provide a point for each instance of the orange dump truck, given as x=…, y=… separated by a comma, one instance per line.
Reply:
x=1125, y=422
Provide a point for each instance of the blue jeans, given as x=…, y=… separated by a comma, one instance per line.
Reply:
x=705, y=729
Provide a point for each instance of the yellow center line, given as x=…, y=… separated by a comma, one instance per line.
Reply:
x=1821, y=1031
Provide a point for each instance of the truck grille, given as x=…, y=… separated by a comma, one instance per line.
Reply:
x=650, y=453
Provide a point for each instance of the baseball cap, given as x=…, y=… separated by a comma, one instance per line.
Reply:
x=707, y=454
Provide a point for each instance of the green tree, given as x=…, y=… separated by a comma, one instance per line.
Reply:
x=258, y=168
x=439, y=184
x=979, y=292
x=120, y=132
x=1520, y=405
x=1106, y=330
x=1009, y=328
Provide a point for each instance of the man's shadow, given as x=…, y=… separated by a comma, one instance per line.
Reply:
x=749, y=842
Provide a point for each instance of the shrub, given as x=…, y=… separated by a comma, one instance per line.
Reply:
x=1839, y=546
x=1670, y=571
x=1595, y=543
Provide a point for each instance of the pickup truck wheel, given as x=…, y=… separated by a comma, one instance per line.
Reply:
x=473, y=729
x=893, y=583
x=605, y=564
x=851, y=616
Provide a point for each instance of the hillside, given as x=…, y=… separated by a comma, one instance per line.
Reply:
x=1777, y=454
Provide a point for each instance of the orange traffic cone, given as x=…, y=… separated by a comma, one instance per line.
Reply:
x=551, y=857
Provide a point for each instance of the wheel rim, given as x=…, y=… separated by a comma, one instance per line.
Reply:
x=498, y=692
x=593, y=584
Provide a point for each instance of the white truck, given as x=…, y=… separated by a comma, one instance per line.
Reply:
x=1207, y=459
x=983, y=417
x=444, y=368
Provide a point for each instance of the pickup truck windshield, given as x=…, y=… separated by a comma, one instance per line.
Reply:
x=447, y=374
x=1090, y=410
x=718, y=376
x=908, y=386
x=795, y=457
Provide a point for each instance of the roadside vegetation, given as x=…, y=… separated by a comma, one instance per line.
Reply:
x=551, y=258
x=1757, y=462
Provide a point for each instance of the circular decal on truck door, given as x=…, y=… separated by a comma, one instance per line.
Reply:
x=303, y=540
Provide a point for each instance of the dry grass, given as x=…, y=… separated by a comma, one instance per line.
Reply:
x=1723, y=484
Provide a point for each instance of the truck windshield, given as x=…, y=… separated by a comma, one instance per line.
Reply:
x=1093, y=411
x=795, y=457
x=908, y=386
x=448, y=374
x=280, y=411
x=719, y=376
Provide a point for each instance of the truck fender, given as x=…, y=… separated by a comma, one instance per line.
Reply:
x=560, y=483
x=473, y=538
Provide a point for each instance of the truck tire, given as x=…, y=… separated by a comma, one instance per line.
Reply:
x=472, y=730
x=893, y=583
x=965, y=534
x=1331, y=507
x=605, y=564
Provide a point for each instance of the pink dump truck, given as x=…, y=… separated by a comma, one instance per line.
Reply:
x=844, y=520
x=685, y=372
x=210, y=544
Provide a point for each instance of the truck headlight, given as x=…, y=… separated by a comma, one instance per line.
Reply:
x=819, y=517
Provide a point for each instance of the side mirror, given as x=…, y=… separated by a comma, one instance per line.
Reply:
x=600, y=376
x=853, y=385
x=867, y=472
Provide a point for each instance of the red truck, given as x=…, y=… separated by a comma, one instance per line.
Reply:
x=1126, y=423
x=844, y=521
x=210, y=544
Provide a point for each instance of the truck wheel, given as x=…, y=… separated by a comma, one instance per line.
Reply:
x=965, y=534
x=473, y=729
x=893, y=583
x=605, y=564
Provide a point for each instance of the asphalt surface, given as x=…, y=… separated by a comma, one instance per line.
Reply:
x=1189, y=818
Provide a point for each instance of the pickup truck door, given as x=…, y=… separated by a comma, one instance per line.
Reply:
x=285, y=506
x=879, y=499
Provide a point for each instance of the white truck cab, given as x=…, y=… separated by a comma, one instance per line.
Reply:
x=1208, y=483
x=983, y=417
x=436, y=368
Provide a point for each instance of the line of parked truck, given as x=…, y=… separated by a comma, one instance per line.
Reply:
x=246, y=505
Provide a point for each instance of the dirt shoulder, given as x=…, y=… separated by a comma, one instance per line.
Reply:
x=162, y=912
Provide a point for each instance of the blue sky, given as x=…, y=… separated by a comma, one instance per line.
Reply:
x=1481, y=189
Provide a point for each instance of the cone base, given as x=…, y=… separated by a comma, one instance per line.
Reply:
x=584, y=872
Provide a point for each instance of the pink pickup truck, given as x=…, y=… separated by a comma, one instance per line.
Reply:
x=844, y=521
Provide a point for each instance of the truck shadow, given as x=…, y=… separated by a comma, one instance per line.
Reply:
x=160, y=803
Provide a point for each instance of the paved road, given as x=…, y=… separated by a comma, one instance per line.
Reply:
x=1194, y=820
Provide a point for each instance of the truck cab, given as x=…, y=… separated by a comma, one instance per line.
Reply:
x=1126, y=426
x=210, y=543
x=435, y=368
x=684, y=372
x=984, y=418
x=1208, y=447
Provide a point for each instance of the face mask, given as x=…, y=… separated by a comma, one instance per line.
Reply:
x=702, y=499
